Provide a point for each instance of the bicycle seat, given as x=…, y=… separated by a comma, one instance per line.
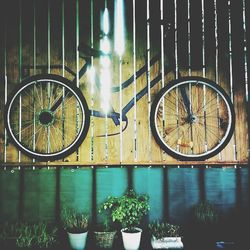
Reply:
x=86, y=51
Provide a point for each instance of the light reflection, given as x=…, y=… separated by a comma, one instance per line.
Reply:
x=91, y=78
x=105, y=45
x=119, y=27
x=105, y=63
x=106, y=25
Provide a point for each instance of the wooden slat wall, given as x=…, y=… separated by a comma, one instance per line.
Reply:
x=31, y=36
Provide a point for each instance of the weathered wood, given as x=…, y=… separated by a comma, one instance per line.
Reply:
x=106, y=151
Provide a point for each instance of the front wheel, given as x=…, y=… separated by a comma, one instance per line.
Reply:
x=192, y=118
x=47, y=117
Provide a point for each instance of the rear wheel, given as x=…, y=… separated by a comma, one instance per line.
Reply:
x=192, y=118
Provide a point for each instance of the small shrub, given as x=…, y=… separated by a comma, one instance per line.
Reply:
x=128, y=209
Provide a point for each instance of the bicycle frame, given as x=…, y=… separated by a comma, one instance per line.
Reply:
x=112, y=114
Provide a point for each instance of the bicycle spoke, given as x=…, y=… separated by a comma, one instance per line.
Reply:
x=39, y=135
x=38, y=96
x=22, y=130
x=201, y=139
x=56, y=99
x=53, y=140
x=170, y=130
x=212, y=112
x=210, y=130
x=58, y=135
x=26, y=122
x=206, y=104
x=174, y=104
x=64, y=103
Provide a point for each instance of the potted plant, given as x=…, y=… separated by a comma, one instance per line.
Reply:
x=165, y=236
x=204, y=224
x=37, y=236
x=128, y=210
x=76, y=225
x=104, y=232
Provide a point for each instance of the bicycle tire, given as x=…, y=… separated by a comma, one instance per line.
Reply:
x=215, y=124
x=41, y=133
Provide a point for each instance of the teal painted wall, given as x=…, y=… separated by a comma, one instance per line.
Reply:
x=39, y=194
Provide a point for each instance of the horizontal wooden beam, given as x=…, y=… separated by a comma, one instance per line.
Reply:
x=127, y=164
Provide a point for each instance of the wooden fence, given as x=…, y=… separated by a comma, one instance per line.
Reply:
x=209, y=39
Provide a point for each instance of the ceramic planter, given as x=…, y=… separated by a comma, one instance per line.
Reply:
x=131, y=241
x=167, y=243
x=77, y=241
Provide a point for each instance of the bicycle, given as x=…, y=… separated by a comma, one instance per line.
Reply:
x=47, y=116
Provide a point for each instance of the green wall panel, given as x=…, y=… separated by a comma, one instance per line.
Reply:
x=76, y=189
x=244, y=186
x=150, y=181
x=9, y=195
x=220, y=188
x=110, y=182
x=183, y=192
x=39, y=194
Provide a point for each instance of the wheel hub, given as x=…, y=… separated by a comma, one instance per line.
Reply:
x=192, y=118
x=46, y=117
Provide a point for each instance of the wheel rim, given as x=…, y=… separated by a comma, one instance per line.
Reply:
x=198, y=135
x=39, y=131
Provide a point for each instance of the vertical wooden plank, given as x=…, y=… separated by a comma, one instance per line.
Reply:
x=129, y=69
x=142, y=54
x=98, y=123
x=169, y=51
x=150, y=11
x=182, y=36
x=223, y=64
x=245, y=17
x=238, y=82
x=26, y=52
x=70, y=47
x=85, y=83
x=56, y=36
x=116, y=72
x=195, y=36
x=3, y=95
x=153, y=48
x=12, y=20
x=211, y=42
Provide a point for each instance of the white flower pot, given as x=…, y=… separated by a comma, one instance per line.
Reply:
x=77, y=241
x=131, y=241
x=166, y=243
